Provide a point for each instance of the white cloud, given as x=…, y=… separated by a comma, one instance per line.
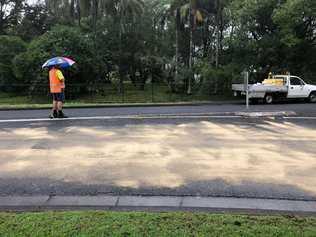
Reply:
x=33, y=1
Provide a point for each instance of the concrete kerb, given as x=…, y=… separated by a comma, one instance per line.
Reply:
x=157, y=203
x=213, y=115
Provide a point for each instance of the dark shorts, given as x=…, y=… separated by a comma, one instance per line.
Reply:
x=60, y=97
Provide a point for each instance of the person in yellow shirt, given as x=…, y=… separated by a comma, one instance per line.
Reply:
x=57, y=89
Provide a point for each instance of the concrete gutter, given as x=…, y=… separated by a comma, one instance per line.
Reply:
x=123, y=105
x=157, y=203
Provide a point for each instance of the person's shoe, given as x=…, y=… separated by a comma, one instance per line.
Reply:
x=61, y=114
x=53, y=115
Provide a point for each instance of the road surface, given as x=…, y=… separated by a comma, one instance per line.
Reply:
x=178, y=150
x=299, y=108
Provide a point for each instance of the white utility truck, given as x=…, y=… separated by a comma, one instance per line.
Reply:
x=276, y=88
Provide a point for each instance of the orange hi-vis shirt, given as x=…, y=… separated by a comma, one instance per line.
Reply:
x=56, y=81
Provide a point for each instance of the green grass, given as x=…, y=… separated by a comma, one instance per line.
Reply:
x=108, y=95
x=151, y=224
x=6, y=98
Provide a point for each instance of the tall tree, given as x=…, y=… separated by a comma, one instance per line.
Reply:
x=189, y=13
x=124, y=12
x=35, y=22
x=296, y=20
x=10, y=13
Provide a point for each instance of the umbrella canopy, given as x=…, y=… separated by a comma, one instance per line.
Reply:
x=62, y=62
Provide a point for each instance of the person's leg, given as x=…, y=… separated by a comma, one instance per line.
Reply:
x=55, y=108
x=54, y=113
x=60, y=105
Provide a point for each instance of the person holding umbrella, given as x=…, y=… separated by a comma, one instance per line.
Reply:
x=57, y=89
x=57, y=84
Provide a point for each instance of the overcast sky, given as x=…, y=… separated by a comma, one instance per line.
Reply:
x=32, y=1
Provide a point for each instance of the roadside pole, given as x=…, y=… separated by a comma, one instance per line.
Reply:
x=246, y=87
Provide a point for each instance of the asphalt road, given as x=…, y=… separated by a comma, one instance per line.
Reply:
x=190, y=156
x=303, y=109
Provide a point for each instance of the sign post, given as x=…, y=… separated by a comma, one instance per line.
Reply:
x=246, y=84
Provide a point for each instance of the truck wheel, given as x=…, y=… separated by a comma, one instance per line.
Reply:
x=268, y=99
x=312, y=97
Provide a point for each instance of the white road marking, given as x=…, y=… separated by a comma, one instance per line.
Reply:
x=214, y=115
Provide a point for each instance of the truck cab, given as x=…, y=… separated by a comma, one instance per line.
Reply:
x=298, y=88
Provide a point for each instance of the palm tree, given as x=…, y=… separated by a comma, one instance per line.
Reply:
x=64, y=9
x=218, y=21
x=176, y=12
x=121, y=11
x=10, y=12
x=85, y=7
x=191, y=12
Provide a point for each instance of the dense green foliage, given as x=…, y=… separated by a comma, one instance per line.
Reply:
x=151, y=224
x=191, y=46
x=10, y=46
x=58, y=41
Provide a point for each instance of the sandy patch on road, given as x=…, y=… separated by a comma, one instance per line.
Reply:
x=164, y=155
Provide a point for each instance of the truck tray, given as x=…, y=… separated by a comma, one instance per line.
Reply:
x=260, y=88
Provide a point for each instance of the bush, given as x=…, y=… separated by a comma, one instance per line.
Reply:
x=60, y=41
x=10, y=46
x=216, y=81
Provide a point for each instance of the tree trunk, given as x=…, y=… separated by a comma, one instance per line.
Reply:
x=72, y=10
x=143, y=78
x=189, y=91
x=177, y=53
x=120, y=55
x=95, y=15
x=1, y=18
x=204, y=39
x=133, y=74
x=79, y=12
x=177, y=25
x=217, y=49
x=85, y=7
x=218, y=13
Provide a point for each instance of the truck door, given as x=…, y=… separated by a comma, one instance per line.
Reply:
x=297, y=88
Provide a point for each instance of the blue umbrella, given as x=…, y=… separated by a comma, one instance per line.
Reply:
x=62, y=62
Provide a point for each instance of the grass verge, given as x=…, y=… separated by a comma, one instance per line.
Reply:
x=130, y=96
x=152, y=224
